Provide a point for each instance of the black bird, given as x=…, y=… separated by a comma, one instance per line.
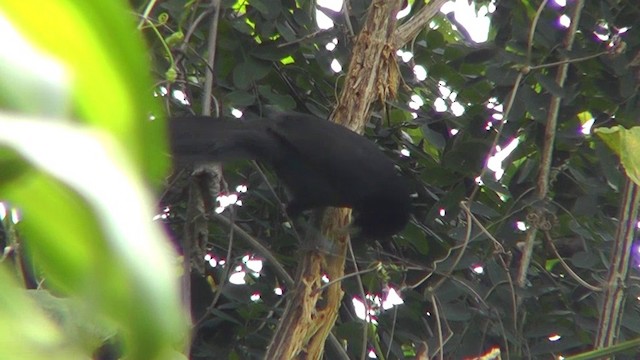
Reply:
x=320, y=163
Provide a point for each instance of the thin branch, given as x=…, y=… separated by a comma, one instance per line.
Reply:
x=532, y=31
x=259, y=248
x=566, y=266
x=223, y=277
x=208, y=80
x=566, y=61
x=471, y=217
x=462, y=246
x=410, y=29
x=436, y=313
x=347, y=20
x=302, y=39
x=145, y=14
x=357, y=273
x=275, y=195
x=613, y=300
x=549, y=140
x=365, y=337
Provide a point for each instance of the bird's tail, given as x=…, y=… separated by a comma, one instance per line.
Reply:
x=202, y=138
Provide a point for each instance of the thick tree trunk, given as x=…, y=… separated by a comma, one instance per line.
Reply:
x=312, y=310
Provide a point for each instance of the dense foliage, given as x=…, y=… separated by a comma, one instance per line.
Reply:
x=456, y=269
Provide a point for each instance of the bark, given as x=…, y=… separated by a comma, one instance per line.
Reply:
x=312, y=310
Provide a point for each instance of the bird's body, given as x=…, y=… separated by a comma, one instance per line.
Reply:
x=321, y=163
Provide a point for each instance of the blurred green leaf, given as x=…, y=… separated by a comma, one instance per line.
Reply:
x=76, y=320
x=101, y=71
x=26, y=332
x=87, y=219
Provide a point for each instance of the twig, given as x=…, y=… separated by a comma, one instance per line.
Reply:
x=259, y=248
x=566, y=266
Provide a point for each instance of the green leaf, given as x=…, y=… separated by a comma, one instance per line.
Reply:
x=611, y=137
x=249, y=71
x=243, y=27
x=240, y=98
x=283, y=102
x=550, y=85
x=625, y=143
x=87, y=224
x=286, y=31
x=260, y=6
x=584, y=259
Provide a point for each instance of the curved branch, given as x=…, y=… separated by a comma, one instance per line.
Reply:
x=409, y=30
